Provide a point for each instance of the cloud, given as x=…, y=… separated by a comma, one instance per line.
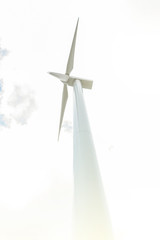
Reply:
x=67, y=126
x=3, y=52
x=1, y=119
x=19, y=105
x=22, y=103
x=4, y=121
x=1, y=84
x=111, y=147
x=1, y=90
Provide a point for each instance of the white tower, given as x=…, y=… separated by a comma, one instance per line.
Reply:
x=91, y=218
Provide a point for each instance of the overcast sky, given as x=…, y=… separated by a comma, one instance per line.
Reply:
x=118, y=47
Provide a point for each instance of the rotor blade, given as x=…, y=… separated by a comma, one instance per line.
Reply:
x=62, y=77
x=71, y=55
x=64, y=101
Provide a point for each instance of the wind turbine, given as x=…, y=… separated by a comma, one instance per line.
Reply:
x=91, y=217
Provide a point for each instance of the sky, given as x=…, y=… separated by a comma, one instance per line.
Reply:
x=118, y=48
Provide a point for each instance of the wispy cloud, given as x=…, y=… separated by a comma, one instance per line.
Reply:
x=4, y=121
x=67, y=126
x=1, y=90
x=3, y=52
x=4, y=118
x=19, y=105
x=22, y=103
x=1, y=84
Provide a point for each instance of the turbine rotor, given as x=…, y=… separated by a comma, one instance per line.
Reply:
x=65, y=78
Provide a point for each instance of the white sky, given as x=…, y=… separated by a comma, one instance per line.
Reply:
x=118, y=46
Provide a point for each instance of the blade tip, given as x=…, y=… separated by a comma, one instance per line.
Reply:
x=58, y=135
x=77, y=21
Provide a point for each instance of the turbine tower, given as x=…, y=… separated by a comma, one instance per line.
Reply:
x=91, y=217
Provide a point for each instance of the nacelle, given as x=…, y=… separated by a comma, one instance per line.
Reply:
x=85, y=83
